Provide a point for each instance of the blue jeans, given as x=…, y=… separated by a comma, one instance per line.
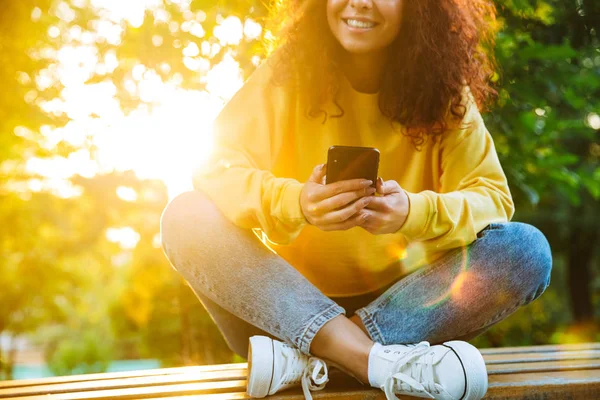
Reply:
x=249, y=290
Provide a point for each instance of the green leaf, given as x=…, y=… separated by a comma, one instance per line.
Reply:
x=553, y=53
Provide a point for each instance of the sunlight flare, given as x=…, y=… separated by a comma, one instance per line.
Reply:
x=169, y=133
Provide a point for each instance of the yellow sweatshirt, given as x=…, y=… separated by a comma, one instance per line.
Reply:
x=265, y=149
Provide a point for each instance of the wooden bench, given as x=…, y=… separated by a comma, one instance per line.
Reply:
x=538, y=372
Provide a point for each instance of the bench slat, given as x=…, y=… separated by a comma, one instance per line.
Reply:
x=544, y=366
x=148, y=392
x=119, y=375
x=228, y=396
x=222, y=396
x=291, y=395
x=541, y=348
x=539, y=357
x=206, y=376
x=547, y=385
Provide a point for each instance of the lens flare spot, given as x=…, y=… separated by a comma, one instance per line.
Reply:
x=402, y=253
x=457, y=290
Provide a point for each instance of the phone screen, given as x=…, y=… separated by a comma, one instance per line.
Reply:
x=352, y=162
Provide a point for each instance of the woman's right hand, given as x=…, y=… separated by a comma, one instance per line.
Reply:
x=333, y=207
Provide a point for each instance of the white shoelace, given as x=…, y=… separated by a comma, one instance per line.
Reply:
x=315, y=365
x=311, y=371
x=419, y=372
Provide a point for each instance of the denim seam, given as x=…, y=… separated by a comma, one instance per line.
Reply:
x=317, y=323
x=370, y=325
x=498, y=317
x=502, y=314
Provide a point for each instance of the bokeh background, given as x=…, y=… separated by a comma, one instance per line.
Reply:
x=105, y=107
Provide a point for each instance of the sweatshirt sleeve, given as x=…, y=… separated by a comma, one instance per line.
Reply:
x=237, y=177
x=473, y=189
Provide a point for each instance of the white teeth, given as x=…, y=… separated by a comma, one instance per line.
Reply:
x=359, y=24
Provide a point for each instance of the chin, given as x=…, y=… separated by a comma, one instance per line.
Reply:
x=359, y=49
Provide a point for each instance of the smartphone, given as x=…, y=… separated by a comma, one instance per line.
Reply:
x=352, y=162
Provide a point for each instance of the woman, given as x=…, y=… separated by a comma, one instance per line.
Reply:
x=384, y=286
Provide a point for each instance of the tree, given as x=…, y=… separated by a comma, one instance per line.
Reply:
x=545, y=131
x=51, y=237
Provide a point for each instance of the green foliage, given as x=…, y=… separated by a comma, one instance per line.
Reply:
x=549, y=89
x=84, y=353
x=549, y=53
x=16, y=70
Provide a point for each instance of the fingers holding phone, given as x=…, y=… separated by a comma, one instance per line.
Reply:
x=387, y=212
x=334, y=206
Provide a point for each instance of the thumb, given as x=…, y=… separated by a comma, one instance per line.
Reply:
x=391, y=186
x=318, y=173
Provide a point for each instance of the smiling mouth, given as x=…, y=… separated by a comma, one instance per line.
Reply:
x=353, y=23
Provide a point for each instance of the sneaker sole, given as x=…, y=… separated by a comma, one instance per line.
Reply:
x=475, y=369
x=260, y=366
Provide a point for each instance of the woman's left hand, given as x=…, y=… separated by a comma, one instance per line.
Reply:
x=388, y=211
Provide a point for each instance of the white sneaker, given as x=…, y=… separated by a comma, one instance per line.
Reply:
x=454, y=370
x=274, y=366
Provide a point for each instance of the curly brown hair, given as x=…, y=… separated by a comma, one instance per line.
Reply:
x=442, y=46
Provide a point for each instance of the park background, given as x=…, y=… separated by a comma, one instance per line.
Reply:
x=106, y=106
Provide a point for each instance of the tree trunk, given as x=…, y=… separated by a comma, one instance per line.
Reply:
x=2, y=377
x=185, y=324
x=7, y=359
x=12, y=353
x=580, y=257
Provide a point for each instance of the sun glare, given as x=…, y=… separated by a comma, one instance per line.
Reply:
x=126, y=237
x=164, y=138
